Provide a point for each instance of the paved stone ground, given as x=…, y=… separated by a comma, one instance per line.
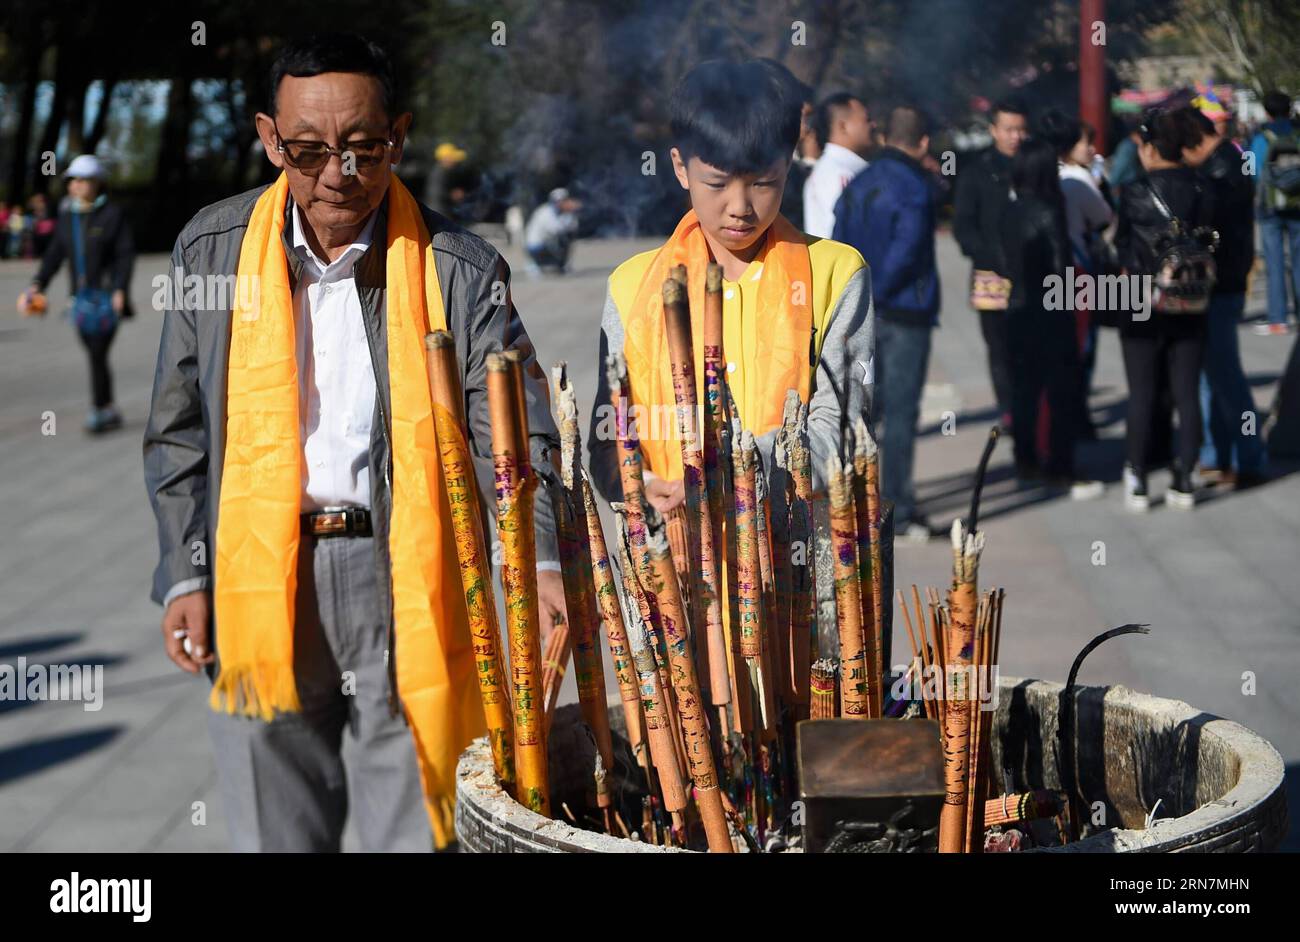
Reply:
x=77, y=548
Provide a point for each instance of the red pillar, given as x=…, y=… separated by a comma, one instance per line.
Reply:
x=1093, y=106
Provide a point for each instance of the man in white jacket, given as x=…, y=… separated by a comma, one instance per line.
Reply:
x=846, y=131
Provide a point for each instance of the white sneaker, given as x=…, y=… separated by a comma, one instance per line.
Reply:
x=1136, y=498
x=915, y=532
x=1087, y=490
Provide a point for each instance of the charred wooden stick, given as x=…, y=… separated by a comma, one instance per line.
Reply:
x=514, y=493
x=706, y=593
x=471, y=550
x=576, y=569
x=848, y=602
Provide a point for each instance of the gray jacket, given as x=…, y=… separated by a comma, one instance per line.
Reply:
x=184, y=438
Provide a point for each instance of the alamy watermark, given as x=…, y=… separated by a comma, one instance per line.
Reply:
x=1080, y=291
x=25, y=682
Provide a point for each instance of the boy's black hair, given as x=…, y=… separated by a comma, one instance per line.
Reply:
x=1277, y=105
x=1007, y=106
x=335, y=52
x=741, y=117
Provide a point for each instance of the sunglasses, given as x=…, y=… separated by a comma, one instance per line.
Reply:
x=311, y=156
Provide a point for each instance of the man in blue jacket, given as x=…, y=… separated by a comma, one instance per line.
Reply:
x=1277, y=162
x=888, y=214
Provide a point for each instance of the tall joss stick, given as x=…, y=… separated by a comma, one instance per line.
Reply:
x=715, y=419
x=958, y=645
x=576, y=570
x=848, y=604
x=875, y=639
x=514, y=492
x=780, y=496
x=866, y=570
x=706, y=595
x=471, y=550
x=749, y=585
x=659, y=722
x=690, y=702
x=615, y=634
x=802, y=641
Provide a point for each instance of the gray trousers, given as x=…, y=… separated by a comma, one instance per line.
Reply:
x=288, y=785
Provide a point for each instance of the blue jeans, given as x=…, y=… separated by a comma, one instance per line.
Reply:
x=1276, y=232
x=902, y=357
x=1225, y=393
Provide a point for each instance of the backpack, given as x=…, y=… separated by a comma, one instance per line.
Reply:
x=1281, y=172
x=1185, y=271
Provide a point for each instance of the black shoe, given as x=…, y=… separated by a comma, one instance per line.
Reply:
x=1182, y=491
x=1029, y=473
x=1136, y=498
x=1247, y=479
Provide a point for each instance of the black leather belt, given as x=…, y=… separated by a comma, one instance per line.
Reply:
x=338, y=521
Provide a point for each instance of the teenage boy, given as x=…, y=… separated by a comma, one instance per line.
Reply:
x=796, y=310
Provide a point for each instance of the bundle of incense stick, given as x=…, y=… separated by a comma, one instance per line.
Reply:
x=515, y=485
x=714, y=644
x=475, y=573
x=825, y=697
x=957, y=670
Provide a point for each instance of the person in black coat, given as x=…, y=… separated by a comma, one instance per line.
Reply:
x=1150, y=339
x=1044, y=353
x=93, y=235
x=1232, y=451
x=982, y=195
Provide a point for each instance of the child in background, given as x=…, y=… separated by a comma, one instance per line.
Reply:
x=796, y=309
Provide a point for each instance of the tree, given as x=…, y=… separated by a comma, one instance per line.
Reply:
x=1254, y=41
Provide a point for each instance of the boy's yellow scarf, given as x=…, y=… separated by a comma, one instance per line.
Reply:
x=781, y=359
x=258, y=519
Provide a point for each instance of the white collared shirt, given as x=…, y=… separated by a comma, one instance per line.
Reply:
x=336, y=379
x=830, y=175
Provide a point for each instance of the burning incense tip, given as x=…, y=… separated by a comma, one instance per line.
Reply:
x=497, y=363
x=674, y=292
x=713, y=278
x=438, y=339
x=865, y=444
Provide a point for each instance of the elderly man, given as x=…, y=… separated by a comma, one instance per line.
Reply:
x=290, y=460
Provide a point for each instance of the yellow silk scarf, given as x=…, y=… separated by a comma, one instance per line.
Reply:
x=784, y=315
x=257, y=529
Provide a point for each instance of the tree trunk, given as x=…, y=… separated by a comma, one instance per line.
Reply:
x=26, y=119
x=50, y=135
x=100, y=124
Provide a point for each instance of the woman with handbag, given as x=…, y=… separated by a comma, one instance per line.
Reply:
x=1163, y=223
x=95, y=237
